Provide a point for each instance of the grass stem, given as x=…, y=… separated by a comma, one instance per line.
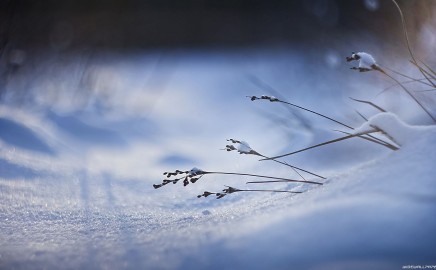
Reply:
x=264, y=176
x=324, y=143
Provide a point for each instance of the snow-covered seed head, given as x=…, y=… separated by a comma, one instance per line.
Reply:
x=366, y=61
x=242, y=147
x=195, y=171
x=270, y=98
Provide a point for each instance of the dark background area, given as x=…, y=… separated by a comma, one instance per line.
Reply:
x=136, y=24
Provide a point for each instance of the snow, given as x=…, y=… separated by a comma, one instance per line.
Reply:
x=194, y=171
x=244, y=148
x=376, y=216
x=366, y=60
x=393, y=127
x=76, y=183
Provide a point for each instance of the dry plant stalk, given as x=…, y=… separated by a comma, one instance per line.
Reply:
x=366, y=63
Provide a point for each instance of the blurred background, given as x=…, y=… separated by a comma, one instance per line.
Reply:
x=34, y=32
x=99, y=98
x=129, y=25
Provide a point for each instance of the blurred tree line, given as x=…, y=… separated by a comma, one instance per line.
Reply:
x=127, y=24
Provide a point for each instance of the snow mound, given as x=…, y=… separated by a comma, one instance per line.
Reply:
x=393, y=127
x=377, y=216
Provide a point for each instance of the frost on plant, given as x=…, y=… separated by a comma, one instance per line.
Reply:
x=366, y=61
x=241, y=146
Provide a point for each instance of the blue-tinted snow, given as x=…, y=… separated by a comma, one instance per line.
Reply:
x=117, y=127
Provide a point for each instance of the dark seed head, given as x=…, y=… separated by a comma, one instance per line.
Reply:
x=157, y=186
x=207, y=193
x=220, y=195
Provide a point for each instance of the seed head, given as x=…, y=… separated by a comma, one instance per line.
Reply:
x=242, y=147
x=366, y=61
x=192, y=176
x=270, y=98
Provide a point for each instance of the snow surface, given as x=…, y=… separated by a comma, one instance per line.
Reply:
x=76, y=174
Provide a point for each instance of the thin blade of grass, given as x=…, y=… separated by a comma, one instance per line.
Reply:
x=267, y=182
x=403, y=82
x=425, y=73
x=403, y=23
x=265, y=176
x=324, y=143
x=428, y=67
x=374, y=140
x=410, y=94
x=361, y=115
x=319, y=114
x=422, y=81
x=272, y=190
x=270, y=89
x=286, y=164
x=369, y=103
x=426, y=90
x=295, y=168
